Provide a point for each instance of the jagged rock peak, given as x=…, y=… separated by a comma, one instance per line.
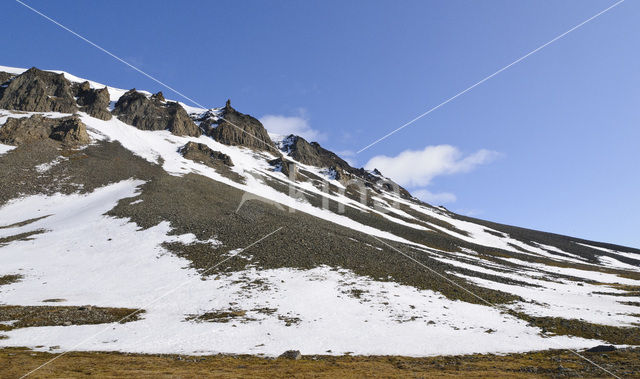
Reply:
x=39, y=91
x=239, y=129
x=154, y=113
x=158, y=96
x=68, y=130
x=312, y=153
x=315, y=155
x=95, y=102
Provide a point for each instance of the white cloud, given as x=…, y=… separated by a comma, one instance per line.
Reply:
x=285, y=125
x=469, y=212
x=434, y=198
x=417, y=168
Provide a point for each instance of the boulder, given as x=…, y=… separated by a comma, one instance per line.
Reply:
x=95, y=102
x=154, y=113
x=291, y=354
x=39, y=91
x=67, y=130
x=601, y=349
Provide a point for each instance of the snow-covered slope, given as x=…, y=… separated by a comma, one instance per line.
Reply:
x=102, y=228
x=132, y=270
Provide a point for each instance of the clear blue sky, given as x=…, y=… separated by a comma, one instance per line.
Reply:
x=566, y=121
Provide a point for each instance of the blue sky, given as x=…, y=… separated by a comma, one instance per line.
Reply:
x=552, y=143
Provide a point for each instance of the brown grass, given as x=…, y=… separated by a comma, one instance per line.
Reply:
x=622, y=335
x=16, y=362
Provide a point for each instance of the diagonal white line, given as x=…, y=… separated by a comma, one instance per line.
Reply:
x=149, y=303
x=489, y=77
x=498, y=307
x=140, y=71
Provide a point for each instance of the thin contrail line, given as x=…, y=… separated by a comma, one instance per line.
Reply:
x=149, y=303
x=489, y=77
x=498, y=307
x=139, y=70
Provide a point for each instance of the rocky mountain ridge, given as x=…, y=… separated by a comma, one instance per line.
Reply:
x=36, y=90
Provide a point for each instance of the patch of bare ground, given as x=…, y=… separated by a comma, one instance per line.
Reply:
x=18, y=316
x=8, y=279
x=550, y=364
x=26, y=236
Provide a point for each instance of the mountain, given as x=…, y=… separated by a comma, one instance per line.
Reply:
x=228, y=241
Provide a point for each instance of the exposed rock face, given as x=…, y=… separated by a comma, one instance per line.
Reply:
x=207, y=122
x=154, y=113
x=313, y=154
x=94, y=102
x=5, y=76
x=284, y=165
x=238, y=129
x=68, y=130
x=200, y=152
x=39, y=91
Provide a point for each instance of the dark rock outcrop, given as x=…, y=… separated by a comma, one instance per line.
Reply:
x=5, y=76
x=39, y=91
x=601, y=349
x=238, y=129
x=159, y=97
x=207, y=122
x=202, y=153
x=95, y=102
x=315, y=155
x=284, y=165
x=221, y=162
x=154, y=113
x=68, y=130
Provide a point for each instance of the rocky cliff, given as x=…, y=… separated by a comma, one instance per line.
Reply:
x=20, y=131
x=154, y=113
x=39, y=91
x=239, y=129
